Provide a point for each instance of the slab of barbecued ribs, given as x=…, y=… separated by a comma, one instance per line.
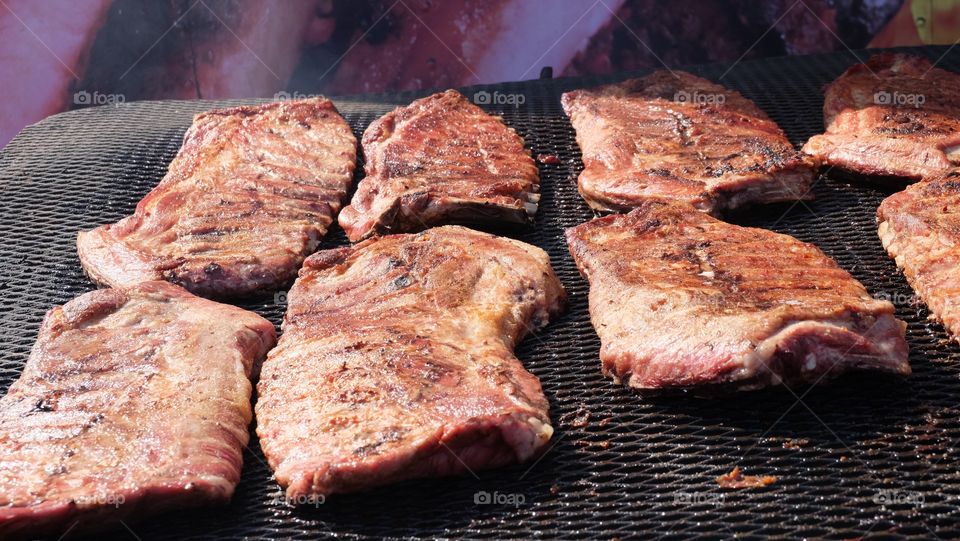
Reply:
x=675, y=135
x=681, y=299
x=896, y=116
x=396, y=361
x=250, y=195
x=133, y=401
x=920, y=228
x=440, y=160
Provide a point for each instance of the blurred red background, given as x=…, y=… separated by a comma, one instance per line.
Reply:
x=62, y=54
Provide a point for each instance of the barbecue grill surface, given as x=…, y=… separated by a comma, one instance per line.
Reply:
x=867, y=455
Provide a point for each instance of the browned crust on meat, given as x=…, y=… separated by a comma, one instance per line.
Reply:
x=680, y=299
x=250, y=194
x=906, y=140
x=133, y=402
x=678, y=136
x=397, y=362
x=439, y=160
x=920, y=228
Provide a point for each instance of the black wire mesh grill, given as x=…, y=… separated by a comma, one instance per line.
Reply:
x=864, y=456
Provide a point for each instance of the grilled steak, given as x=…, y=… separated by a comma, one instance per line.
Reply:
x=133, y=401
x=920, y=228
x=440, y=159
x=894, y=116
x=250, y=194
x=682, y=299
x=677, y=136
x=396, y=361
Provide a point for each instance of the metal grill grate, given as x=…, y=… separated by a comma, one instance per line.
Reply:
x=867, y=449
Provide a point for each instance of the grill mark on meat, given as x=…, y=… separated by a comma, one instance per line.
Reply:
x=440, y=160
x=397, y=362
x=910, y=140
x=252, y=191
x=639, y=140
x=140, y=394
x=681, y=299
x=920, y=229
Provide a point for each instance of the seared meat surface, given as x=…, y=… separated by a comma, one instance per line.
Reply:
x=439, y=160
x=396, y=361
x=250, y=195
x=678, y=136
x=681, y=299
x=133, y=401
x=896, y=115
x=920, y=228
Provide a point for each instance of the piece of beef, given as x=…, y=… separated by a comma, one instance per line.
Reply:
x=675, y=135
x=920, y=228
x=133, y=401
x=440, y=160
x=396, y=361
x=250, y=195
x=681, y=299
x=895, y=116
